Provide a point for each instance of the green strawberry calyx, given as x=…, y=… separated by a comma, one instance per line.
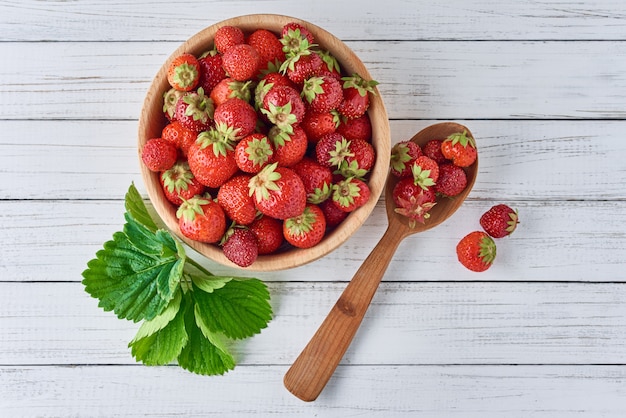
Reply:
x=312, y=88
x=487, y=251
x=421, y=177
x=462, y=138
x=263, y=182
x=362, y=85
x=220, y=138
x=416, y=208
x=345, y=191
x=340, y=153
x=259, y=150
x=178, y=177
x=399, y=157
x=185, y=75
x=199, y=106
x=281, y=116
x=301, y=224
x=192, y=207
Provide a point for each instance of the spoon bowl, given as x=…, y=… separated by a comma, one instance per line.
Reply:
x=313, y=368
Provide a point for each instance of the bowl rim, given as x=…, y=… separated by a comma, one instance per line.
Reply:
x=381, y=139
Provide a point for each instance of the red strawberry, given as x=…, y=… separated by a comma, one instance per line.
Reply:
x=432, y=149
x=357, y=128
x=452, y=180
x=306, y=229
x=227, y=37
x=425, y=172
x=403, y=155
x=331, y=65
x=317, y=125
x=234, y=198
x=158, y=154
x=295, y=38
x=359, y=160
x=334, y=216
x=211, y=71
x=170, y=99
x=356, y=99
x=269, y=234
x=201, y=219
x=237, y=115
x=332, y=149
x=283, y=107
x=317, y=179
x=211, y=160
x=289, y=148
x=350, y=194
x=268, y=45
x=322, y=93
x=476, y=251
x=241, y=247
x=412, y=201
x=179, y=183
x=459, y=148
x=269, y=80
x=241, y=62
x=278, y=192
x=180, y=136
x=301, y=66
x=194, y=110
x=254, y=152
x=499, y=221
x=183, y=72
x=229, y=88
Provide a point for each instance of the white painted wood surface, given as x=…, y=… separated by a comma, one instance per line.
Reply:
x=542, y=333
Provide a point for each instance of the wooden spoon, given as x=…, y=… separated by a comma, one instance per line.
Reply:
x=313, y=368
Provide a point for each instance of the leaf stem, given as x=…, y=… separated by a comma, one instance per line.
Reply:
x=199, y=267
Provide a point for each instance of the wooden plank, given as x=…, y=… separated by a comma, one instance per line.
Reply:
x=408, y=323
x=554, y=242
x=419, y=80
x=398, y=391
x=519, y=160
x=454, y=19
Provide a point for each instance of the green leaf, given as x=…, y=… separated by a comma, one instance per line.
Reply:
x=164, y=344
x=137, y=208
x=199, y=354
x=238, y=310
x=210, y=283
x=148, y=328
x=136, y=274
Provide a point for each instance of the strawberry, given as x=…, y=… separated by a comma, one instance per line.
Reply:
x=266, y=83
x=334, y=216
x=289, y=148
x=331, y=65
x=356, y=99
x=332, y=149
x=211, y=160
x=283, y=107
x=183, y=72
x=178, y=135
x=350, y=194
x=476, y=251
x=170, y=99
x=268, y=45
x=306, y=229
x=362, y=159
x=316, y=125
x=452, y=180
x=295, y=38
x=357, y=128
x=301, y=66
x=317, y=179
x=201, y=219
x=499, y=221
x=459, y=148
x=229, y=88
x=235, y=200
x=403, y=155
x=158, y=154
x=241, y=62
x=241, y=247
x=425, y=172
x=227, y=37
x=237, y=115
x=278, y=192
x=269, y=234
x=432, y=149
x=194, y=110
x=211, y=71
x=179, y=183
x=322, y=93
x=254, y=152
x=413, y=201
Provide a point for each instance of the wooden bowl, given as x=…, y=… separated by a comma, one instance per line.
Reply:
x=152, y=121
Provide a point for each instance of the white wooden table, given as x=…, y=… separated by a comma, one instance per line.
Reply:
x=542, y=85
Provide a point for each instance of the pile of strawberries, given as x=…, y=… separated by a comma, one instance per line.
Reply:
x=428, y=172
x=267, y=144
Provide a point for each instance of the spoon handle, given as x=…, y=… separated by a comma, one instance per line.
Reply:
x=313, y=368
